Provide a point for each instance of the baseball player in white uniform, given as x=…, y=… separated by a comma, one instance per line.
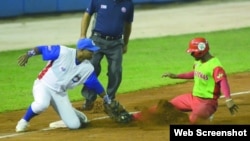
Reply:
x=66, y=68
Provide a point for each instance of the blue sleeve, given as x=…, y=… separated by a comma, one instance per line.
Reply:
x=49, y=52
x=94, y=84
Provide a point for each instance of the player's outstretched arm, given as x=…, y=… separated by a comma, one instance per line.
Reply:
x=187, y=75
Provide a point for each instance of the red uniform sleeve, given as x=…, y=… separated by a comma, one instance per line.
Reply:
x=220, y=77
x=188, y=75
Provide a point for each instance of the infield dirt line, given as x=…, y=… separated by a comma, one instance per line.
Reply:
x=99, y=118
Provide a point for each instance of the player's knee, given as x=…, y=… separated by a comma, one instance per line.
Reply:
x=76, y=124
x=199, y=118
x=39, y=107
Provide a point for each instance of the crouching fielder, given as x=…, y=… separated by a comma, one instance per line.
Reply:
x=66, y=68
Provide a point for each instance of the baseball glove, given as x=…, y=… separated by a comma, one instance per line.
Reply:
x=117, y=112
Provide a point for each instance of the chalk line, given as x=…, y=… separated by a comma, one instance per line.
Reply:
x=238, y=93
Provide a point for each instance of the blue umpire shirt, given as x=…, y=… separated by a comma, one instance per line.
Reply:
x=111, y=15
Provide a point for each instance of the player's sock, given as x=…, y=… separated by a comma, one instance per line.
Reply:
x=137, y=116
x=29, y=114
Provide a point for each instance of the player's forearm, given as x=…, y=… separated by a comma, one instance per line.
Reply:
x=188, y=75
x=33, y=52
x=92, y=83
x=225, y=90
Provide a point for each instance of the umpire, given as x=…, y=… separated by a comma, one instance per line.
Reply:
x=111, y=28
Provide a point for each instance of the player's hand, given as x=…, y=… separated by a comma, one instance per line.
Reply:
x=170, y=75
x=233, y=108
x=106, y=99
x=23, y=60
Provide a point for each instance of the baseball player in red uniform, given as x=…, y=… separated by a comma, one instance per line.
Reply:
x=66, y=68
x=210, y=80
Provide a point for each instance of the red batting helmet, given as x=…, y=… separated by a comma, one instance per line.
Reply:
x=198, y=46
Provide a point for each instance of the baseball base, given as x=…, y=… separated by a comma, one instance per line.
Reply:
x=57, y=124
x=60, y=123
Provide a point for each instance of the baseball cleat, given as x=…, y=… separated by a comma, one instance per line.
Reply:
x=137, y=116
x=83, y=118
x=88, y=106
x=22, y=125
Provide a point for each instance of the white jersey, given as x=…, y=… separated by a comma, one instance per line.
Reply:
x=63, y=73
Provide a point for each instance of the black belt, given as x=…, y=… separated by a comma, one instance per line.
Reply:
x=106, y=37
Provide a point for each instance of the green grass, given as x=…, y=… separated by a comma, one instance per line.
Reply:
x=143, y=65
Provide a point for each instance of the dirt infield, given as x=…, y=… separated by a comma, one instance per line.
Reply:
x=107, y=130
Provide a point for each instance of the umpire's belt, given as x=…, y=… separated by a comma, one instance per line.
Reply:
x=106, y=37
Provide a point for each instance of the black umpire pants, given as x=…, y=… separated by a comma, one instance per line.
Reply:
x=112, y=50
